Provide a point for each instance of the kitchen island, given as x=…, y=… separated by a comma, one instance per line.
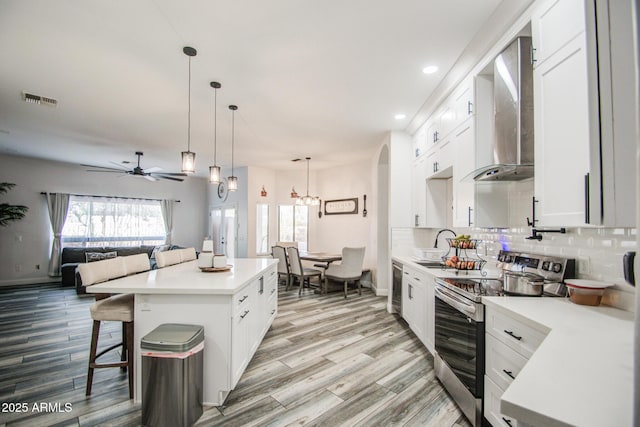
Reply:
x=236, y=308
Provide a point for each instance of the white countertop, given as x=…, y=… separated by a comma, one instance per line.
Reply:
x=581, y=374
x=442, y=272
x=186, y=278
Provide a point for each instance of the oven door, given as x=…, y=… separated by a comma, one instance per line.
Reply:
x=459, y=330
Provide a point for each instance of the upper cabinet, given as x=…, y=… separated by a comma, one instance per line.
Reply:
x=561, y=114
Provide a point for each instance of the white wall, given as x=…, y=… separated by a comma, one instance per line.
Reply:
x=259, y=177
x=28, y=242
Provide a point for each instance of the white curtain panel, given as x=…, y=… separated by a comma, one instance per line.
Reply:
x=58, y=204
x=167, y=216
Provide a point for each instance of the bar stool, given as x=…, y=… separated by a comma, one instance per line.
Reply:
x=118, y=308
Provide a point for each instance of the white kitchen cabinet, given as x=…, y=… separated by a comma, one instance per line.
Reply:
x=463, y=100
x=561, y=116
x=419, y=142
x=414, y=302
x=464, y=190
x=440, y=159
x=430, y=332
x=241, y=341
x=509, y=343
x=419, y=191
x=553, y=25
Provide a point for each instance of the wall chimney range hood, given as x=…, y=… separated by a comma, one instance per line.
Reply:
x=513, y=116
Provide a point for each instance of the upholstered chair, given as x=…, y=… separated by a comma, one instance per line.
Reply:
x=167, y=258
x=187, y=254
x=303, y=275
x=349, y=270
x=280, y=254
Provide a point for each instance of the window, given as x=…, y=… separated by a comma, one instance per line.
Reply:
x=101, y=221
x=293, y=225
x=262, y=229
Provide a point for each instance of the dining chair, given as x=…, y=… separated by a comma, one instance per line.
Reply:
x=349, y=270
x=116, y=308
x=280, y=254
x=287, y=244
x=167, y=258
x=303, y=274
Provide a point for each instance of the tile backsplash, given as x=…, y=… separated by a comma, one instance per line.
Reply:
x=598, y=251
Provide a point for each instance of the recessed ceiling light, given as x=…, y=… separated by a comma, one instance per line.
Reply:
x=430, y=69
x=400, y=116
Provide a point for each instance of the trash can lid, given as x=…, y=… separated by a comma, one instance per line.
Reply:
x=173, y=337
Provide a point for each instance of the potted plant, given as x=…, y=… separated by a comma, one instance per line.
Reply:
x=9, y=212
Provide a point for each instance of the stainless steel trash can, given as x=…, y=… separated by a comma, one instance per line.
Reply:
x=172, y=366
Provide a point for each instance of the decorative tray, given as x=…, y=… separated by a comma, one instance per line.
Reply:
x=216, y=269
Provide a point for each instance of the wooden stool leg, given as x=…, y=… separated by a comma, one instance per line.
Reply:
x=123, y=355
x=345, y=288
x=359, y=288
x=128, y=341
x=92, y=354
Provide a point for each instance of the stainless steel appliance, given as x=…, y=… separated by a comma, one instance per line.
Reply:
x=396, y=288
x=459, y=323
x=513, y=116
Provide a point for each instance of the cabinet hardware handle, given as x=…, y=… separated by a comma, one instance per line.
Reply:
x=532, y=52
x=243, y=315
x=416, y=222
x=532, y=222
x=243, y=298
x=469, y=213
x=410, y=296
x=511, y=334
x=510, y=373
x=272, y=291
x=508, y=421
x=587, y=216
x=272, y=273
x=261, y=290
x=273, y=311
x=469, y=107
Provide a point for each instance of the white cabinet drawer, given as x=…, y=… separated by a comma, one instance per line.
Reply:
x=242, y=298
x=520, y=337
x=502, y=363
x=492, y=395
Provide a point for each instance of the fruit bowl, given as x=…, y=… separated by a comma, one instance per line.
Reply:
x=463, y=242
x=460, y=263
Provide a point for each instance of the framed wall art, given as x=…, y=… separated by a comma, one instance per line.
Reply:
x=341, y=206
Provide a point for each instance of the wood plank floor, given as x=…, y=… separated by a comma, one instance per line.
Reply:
x=326, y=361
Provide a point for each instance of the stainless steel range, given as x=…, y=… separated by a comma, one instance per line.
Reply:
x=459, y=323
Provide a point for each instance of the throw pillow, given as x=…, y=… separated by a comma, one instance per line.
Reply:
x=160, y=248
x=99, y=256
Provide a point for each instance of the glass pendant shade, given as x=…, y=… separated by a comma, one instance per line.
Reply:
x=214, y=174
x=232, y=183
x=189, y=157
x=188, y=162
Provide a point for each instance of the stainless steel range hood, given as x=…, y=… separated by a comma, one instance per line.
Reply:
x=513, y=115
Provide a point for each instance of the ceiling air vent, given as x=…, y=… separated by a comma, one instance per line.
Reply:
x=39, y=100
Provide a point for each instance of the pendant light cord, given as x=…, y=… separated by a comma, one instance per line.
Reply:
x=189, y=117
x=215, y=127
x=233, y=136
x=308, y=176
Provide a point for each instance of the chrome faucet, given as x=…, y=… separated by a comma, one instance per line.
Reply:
x=435, y=244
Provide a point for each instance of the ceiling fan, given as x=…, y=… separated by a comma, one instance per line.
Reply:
x=152, y=174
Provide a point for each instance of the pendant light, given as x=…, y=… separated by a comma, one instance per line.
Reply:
x=307, y=199
x=189, y=157
x=232, y=181
x=214, y=171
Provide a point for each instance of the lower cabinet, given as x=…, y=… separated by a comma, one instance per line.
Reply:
x=509, y=344
x=417, y=304
x=254, y=309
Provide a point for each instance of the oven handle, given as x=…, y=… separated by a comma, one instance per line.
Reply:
x=454, y=301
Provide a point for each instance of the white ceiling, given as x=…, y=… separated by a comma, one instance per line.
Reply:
x=322, y=78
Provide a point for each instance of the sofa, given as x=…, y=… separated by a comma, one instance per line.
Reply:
x=72, y=256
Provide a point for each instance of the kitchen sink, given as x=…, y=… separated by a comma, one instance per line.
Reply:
x=431, y=264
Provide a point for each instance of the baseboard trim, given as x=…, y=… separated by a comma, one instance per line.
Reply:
x=29, y=281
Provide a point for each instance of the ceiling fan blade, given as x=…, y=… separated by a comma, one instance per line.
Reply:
x=150, y=178
x=170, y=174
x=153, y=169
x=170, y=177
x=106, y=168
x=119, y=165
x=107, y=171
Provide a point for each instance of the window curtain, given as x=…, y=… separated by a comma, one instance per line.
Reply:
x=58, y=204
x=167, y=216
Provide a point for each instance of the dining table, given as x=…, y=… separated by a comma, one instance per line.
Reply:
x=320, y=257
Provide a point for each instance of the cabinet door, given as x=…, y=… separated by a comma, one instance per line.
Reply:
x=463, y=102
x=418, y=191
x=429, y=310
x=464, y=191
x=240, y=342
x=554, y=25
x=407, y=304
x=562, y=136
x=419, y=302
x=419, y=142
